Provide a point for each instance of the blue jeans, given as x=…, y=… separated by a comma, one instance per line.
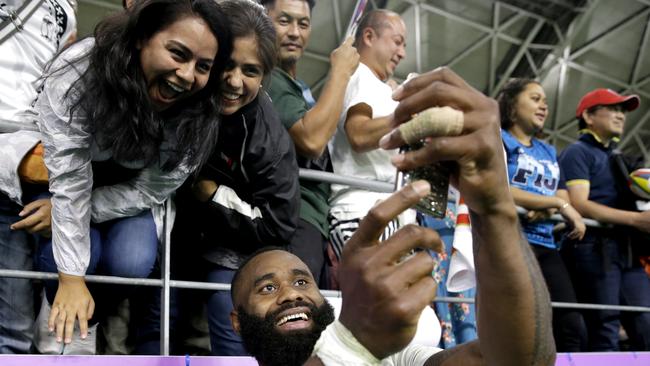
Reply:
x=125, y=247
x=223, y=339
x=16, y=295
x=605, y=272
x=457, y=320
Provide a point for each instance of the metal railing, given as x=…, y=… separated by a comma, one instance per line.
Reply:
x=166, y=283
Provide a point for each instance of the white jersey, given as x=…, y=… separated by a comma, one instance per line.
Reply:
x=23, y=56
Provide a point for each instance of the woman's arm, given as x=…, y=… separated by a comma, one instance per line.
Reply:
x=270, y=215
x=532, y=201
x=152, y=186
x=67, y=143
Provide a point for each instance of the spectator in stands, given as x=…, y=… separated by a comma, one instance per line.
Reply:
x=125, y=117
x=310, y=124
x=366, y=117
x=534, y=174
x=26, y=46
x=279, y=306
x=604, y=264
x=457, y=319
x=249, y=190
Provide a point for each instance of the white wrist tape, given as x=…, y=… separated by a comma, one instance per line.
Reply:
x=432, y=122
x=337, y=346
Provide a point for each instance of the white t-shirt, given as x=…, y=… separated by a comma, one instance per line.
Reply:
x=364, y=87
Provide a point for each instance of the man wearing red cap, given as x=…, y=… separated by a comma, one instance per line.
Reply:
x=604, y=264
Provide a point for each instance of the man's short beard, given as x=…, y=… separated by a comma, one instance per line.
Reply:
x=288, y=63
x=270, y=347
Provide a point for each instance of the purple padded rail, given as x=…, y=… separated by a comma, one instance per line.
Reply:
x=563, y=359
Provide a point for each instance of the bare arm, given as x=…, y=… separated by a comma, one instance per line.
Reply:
x=579, y=194
x=551, y=204
x=311, y=133
x=363, y=131
x=467, y=354
x=514, y=313
x=532, y=201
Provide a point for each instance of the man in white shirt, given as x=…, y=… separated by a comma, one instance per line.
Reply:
x=367, y=114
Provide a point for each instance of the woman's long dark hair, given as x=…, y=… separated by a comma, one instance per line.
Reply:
x=113, y=92
x=507, y=99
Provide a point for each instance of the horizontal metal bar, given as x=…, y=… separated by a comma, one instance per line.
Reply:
x=200, y=285
x=226, y=287
x=89, y=278
x=570, y=305
x=327, y=177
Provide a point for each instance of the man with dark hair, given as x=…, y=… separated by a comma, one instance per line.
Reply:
x=605, y=265
x=366, y=117
x=310, y=124
x=284, y=333
x=383, y=293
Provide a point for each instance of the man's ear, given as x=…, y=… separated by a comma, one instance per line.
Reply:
x=234, y=320
x=586, y=117
x=367, y=36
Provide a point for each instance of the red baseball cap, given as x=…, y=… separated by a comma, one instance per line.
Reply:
x=607, y=97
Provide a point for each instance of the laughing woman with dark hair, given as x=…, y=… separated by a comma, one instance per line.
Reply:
x=126, y=116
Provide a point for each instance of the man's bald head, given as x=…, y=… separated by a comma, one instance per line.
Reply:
x=381, y=41
x=377, y=20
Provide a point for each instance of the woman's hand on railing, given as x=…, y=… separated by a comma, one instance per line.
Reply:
x=573, y=218
x=540, y=215
x=72, y=301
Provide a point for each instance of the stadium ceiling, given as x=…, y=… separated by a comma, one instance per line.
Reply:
x=570, y=46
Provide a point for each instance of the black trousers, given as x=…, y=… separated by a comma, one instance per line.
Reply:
x=569, y=329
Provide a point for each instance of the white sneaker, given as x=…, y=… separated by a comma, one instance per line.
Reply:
x=45, y=341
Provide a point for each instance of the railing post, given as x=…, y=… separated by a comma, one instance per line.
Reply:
x=164, y=270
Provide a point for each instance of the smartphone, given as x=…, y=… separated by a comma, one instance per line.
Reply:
x=437, y=174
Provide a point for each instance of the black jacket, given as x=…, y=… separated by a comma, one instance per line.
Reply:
x=258, y=199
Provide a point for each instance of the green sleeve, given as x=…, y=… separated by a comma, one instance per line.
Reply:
x=287, y=100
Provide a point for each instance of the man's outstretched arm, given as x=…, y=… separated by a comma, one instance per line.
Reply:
x=513, y=306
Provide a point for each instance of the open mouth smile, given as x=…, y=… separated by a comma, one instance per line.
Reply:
x=297, y=318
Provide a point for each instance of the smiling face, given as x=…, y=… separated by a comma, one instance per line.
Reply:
x=280, y=312
x=242, y=77
x=385, y=47
x=176, y=61
x=606, y=121
x=276, y=283
x=530, y=110
x=292, y=22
